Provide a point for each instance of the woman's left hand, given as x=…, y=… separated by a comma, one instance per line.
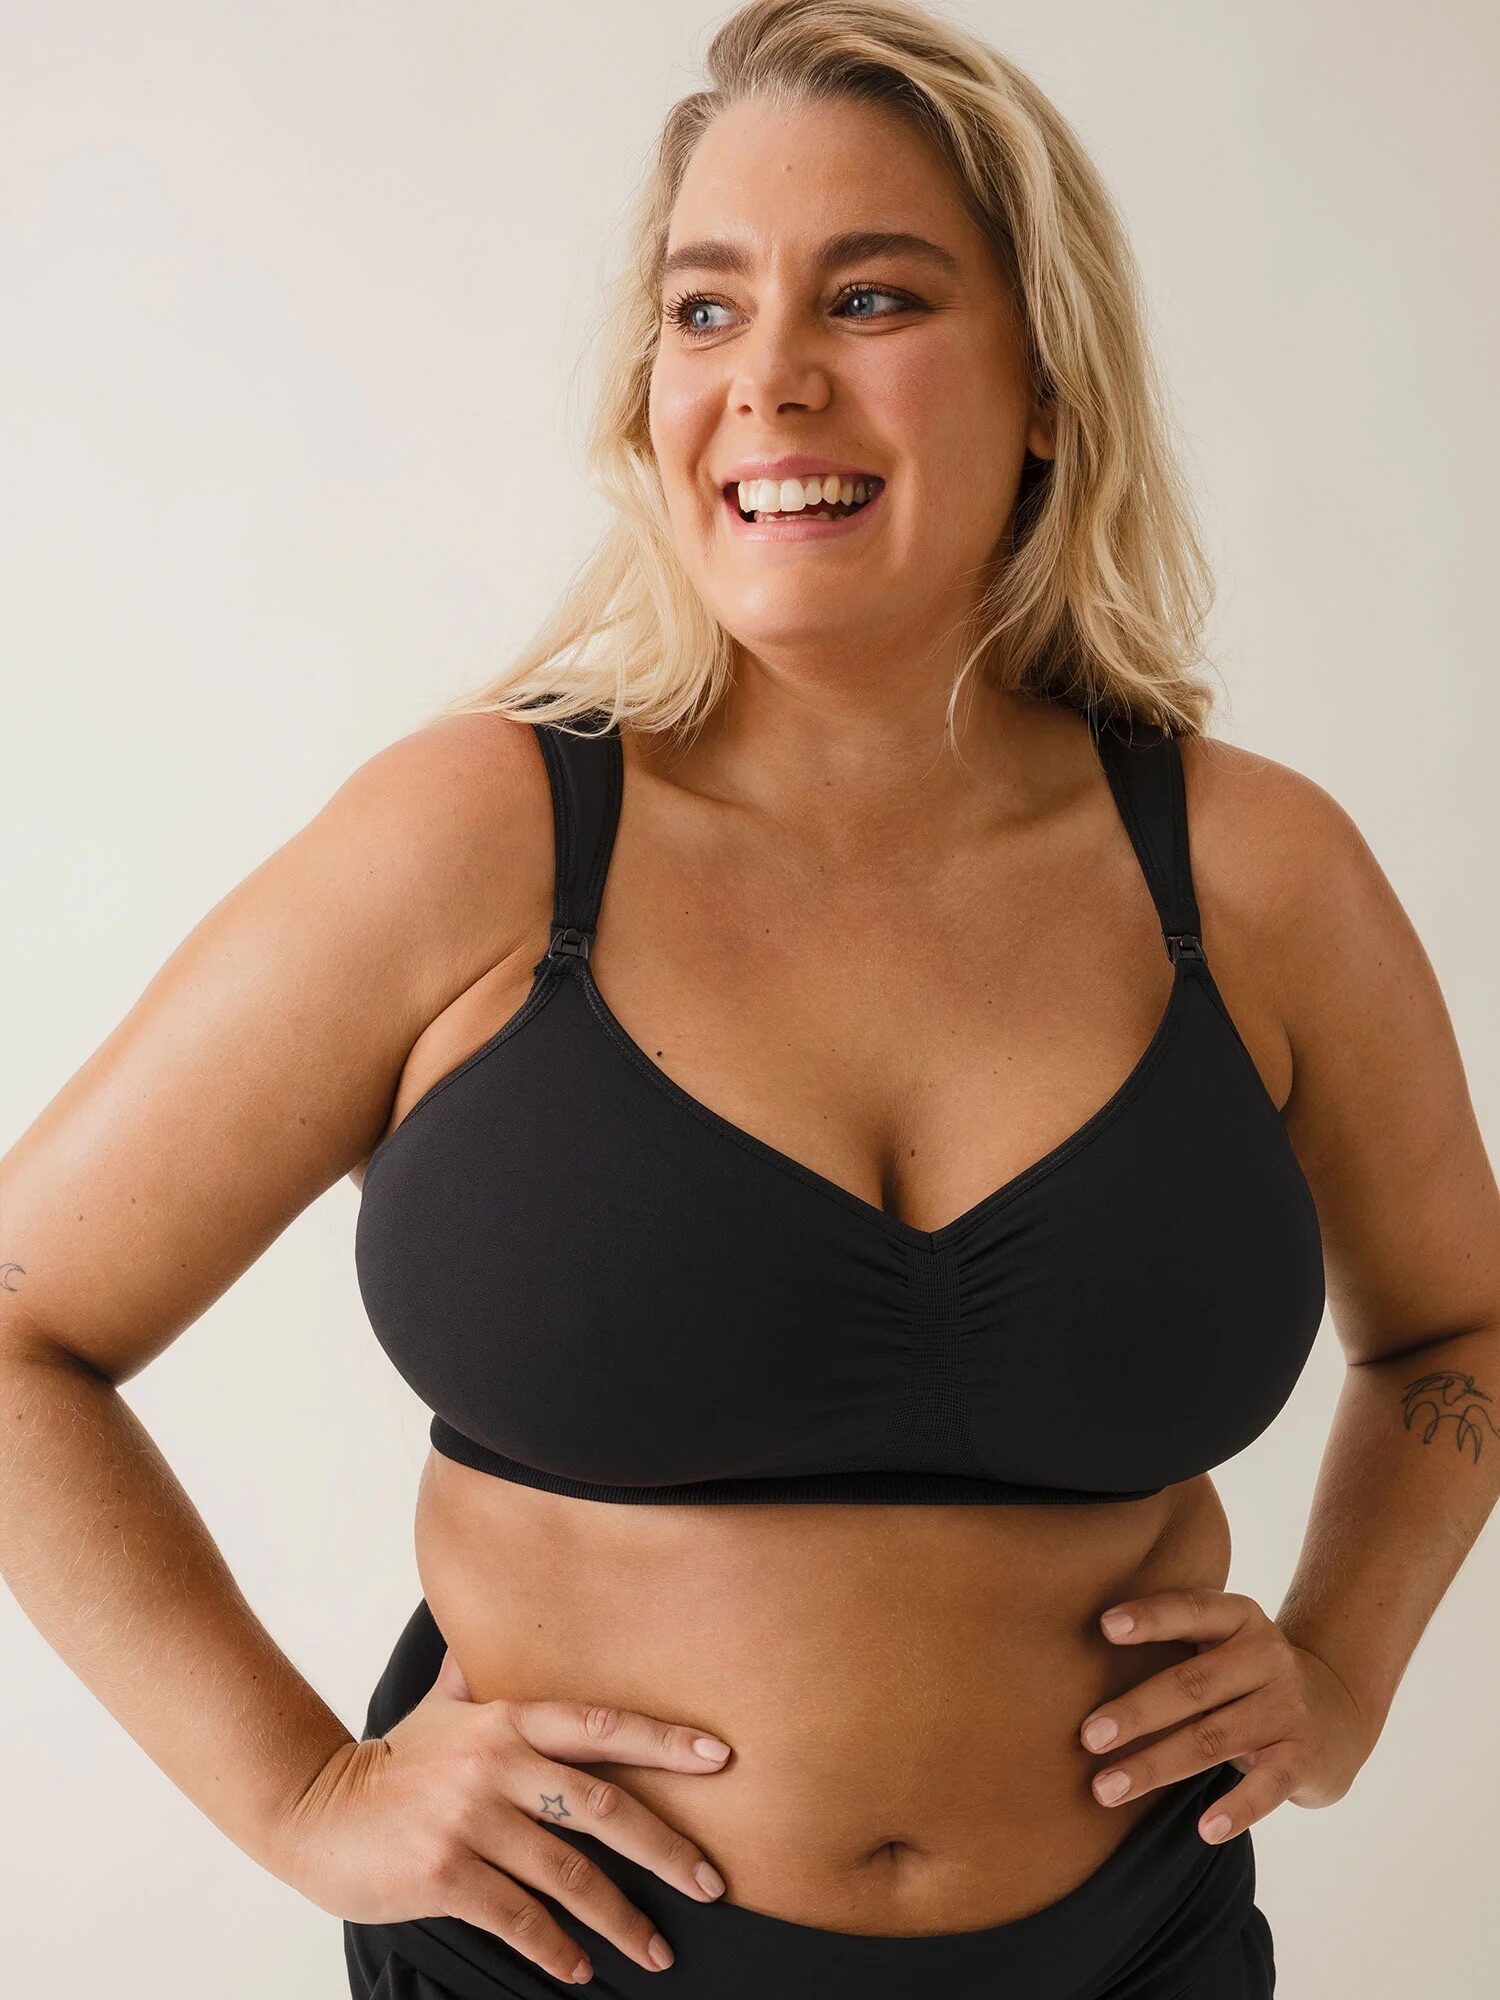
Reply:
x=1250, y=1698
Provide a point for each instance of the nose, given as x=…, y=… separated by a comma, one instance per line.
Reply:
x=776, y=369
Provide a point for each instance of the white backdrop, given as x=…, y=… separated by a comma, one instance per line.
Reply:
x=291, y=404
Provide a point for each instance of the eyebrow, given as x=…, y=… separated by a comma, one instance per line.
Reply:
x=852, y=246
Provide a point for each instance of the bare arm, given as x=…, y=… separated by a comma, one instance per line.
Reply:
x=110, y=1560
x=1383, y=1124
x=256, y=1069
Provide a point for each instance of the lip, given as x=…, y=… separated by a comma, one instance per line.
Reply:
x=798, y=528
x=794, y=465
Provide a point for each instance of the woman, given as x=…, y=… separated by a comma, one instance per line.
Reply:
x=858, y=1097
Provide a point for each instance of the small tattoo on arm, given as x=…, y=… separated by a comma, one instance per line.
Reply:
x=1449, y=1394
x=8, y=1273
x=553, y=1808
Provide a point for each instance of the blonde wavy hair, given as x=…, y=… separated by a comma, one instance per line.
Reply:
x=1098, y=588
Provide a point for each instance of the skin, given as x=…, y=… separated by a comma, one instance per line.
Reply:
x=807, y=873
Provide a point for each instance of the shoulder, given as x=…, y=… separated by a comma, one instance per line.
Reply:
x=258, y=1064
x=1284, y=871
x=1380, y=1113
x=1270, y=833
x=473, y=765
x=443, y=838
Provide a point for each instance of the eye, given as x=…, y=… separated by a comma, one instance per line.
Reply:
x=679, y=310
x=676, y=313
x=876, y=291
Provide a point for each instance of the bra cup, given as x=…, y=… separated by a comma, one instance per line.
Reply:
x=1146, y=1315
x=655, y=1326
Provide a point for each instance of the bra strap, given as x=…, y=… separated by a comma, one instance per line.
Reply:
x=1143, y=763
x=585, y=774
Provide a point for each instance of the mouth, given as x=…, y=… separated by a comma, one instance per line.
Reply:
x=816, y=523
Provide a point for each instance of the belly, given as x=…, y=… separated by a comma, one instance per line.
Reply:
x=902, y=1686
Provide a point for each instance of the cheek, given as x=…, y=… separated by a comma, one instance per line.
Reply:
x=961, y=426
x=680, y=411
x=947, y=414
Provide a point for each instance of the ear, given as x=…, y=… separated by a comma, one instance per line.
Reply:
x=1041, y=430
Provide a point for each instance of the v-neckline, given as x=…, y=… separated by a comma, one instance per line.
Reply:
x=893, y=1225
x=883, y=1219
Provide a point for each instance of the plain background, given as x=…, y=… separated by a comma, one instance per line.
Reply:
x=292, y=402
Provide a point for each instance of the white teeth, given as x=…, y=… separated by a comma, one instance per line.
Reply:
x=792, y=496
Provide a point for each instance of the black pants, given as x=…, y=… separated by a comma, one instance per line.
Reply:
x=1165, y=1917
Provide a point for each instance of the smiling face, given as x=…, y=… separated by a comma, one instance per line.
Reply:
x=888, y=359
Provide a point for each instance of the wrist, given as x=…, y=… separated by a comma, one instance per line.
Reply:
x=1369, y=1697
x=287, y=1846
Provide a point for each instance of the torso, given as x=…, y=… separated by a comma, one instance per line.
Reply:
x=902, y=1685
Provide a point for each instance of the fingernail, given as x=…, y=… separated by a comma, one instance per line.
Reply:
x=711, y=1747
x=659, y=1950
x=709, y=1879
x=1112, y=1787
x=1118, y=1623
x=582, y=1971
x=1101, y=1733
x=1217, y=1827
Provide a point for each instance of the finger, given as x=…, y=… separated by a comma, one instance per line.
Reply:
x=1179, y=1614
x=493, y=1902
x=591, y=1732
x=532, y=1859
x=561, y=1795
x=1189, y=1687
x=1270, y=1783
x=1241, y=1728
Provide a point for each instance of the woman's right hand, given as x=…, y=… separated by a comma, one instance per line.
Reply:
x=446, y=1815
